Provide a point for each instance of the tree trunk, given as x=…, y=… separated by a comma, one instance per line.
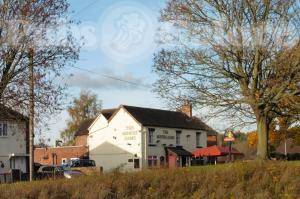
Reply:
x=262, y=132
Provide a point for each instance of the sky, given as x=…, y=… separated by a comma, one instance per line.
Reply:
x=120, y=40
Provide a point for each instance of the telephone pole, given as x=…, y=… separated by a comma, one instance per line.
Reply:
x=31, y=113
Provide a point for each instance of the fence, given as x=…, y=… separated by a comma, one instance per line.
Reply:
x=5, y=178
x=14, y=175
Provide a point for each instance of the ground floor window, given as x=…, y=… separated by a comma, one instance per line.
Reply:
x=136, y=163
x=178, y=161
x=162, y=161
x=152, y=161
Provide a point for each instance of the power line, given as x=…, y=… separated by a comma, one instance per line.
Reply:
x=84, y=8
x=103, y=75
x=111, y=77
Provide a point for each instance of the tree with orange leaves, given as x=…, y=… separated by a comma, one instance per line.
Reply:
x=280, y=129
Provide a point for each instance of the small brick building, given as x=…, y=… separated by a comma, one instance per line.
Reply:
x=82, y=133
x=58, y=155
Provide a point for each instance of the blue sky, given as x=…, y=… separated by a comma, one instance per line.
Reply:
x=119, y=40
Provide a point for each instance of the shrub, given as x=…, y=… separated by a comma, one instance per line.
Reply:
x=289, y=156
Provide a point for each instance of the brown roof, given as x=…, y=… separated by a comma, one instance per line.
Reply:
x=170, y=119
x=291, y=147
x=10, y=114
x=83, y=128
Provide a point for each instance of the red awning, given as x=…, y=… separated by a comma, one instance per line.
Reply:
x=215, y=151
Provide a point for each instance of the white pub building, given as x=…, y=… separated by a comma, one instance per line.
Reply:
x=131, y=138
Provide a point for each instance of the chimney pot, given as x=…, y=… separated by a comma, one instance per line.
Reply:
x=186, y=108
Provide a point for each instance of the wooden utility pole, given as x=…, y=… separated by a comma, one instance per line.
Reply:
x=31, y=114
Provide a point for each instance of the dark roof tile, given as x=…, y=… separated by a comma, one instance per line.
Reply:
x=180, y=151
x=170, y=119
x=83, y=128
x=10, y=114
x=107, y=113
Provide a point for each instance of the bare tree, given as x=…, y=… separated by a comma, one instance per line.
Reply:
x=43, y=27
x=240, y=58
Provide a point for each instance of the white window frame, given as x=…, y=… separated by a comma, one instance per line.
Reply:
x=151, y=132
x=2, y=125
x=178, y=135
x=198, y=136
x=152, y=159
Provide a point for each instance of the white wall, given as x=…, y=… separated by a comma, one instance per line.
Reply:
x=124, y=132
x=14, y=143
x=187, y=140
x=112, y=144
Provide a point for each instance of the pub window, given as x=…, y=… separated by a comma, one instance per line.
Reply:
x=152, y=161
x=151, y=136
x=3, y=129
x=198, y=134
x=162, y=161
x=178, y=133
x=136, y=163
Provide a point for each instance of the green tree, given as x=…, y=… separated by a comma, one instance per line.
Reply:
x=240, y=58
x=87, y=106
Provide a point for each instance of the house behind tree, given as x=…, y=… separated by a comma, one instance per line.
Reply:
x=13, y=141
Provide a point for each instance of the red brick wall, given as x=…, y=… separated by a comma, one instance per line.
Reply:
x=81, y=140
x=53, y=156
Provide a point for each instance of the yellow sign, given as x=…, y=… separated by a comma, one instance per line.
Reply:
x=229, y=136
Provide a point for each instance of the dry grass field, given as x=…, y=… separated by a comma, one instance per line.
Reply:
x=237, y=180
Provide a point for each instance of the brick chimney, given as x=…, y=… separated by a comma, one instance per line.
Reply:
x=186, y=108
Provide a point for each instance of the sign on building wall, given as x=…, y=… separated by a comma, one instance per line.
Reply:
x=165, y=136
x=130, y=133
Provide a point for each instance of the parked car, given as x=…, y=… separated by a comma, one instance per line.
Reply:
x=36, y=166
x=83, y=163
x=50, y=171
x=72, y=174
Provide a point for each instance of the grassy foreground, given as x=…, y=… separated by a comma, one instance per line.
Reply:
x=237, y=180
